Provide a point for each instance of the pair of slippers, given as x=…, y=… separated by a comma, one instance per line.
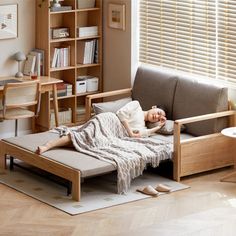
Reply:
x=149, y=190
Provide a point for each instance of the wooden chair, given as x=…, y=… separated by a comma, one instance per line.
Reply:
x=20, y=100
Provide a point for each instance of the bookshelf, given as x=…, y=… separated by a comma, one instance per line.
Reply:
x=63, y=54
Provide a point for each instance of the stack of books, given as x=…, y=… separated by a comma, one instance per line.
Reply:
x=87, y=31
x=87, y=51
x=64, y=116
x=80, y=113
x=61, y=57
x=34, y=62
x=63, y=89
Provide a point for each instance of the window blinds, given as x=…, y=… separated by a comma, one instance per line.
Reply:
x=196, y=36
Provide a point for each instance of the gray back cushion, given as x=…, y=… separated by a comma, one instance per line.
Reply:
x=193, y=98
x=154, y=87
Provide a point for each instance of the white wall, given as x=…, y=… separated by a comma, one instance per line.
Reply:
x=117, y=50
x=25, y=42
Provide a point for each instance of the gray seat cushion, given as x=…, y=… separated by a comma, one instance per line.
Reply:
x=87, y=165
x=154, y=87
x=193, y=98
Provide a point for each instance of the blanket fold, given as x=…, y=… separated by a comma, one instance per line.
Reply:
x=105, y=138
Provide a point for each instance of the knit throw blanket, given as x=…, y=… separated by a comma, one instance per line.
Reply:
x=104, y=137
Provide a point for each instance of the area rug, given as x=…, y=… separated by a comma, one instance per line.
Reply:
x=96, y=193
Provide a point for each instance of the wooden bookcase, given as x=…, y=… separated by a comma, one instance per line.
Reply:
x=72, y=19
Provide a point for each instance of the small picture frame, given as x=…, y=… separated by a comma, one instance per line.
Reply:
x=116, y=16
x=8, y=21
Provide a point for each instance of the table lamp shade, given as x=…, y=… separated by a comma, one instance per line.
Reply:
x=19, y=56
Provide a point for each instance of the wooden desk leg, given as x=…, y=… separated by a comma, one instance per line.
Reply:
x=55, y=103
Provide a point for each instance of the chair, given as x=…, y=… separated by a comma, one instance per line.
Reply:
x=20, y=100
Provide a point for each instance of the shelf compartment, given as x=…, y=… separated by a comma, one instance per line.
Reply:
x=66, y=3
x=89, y=70
x=65, y=20
x=67, y=60
x=67, y=76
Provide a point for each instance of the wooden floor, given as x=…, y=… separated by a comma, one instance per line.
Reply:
x=207, y=208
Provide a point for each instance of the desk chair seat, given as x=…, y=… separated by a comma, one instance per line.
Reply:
x=20, y=113
x=20, y=100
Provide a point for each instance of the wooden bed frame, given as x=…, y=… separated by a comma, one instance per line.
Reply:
x=43, y=163
x=193, y=155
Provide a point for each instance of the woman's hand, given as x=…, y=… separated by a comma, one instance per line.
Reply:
x=136, y=134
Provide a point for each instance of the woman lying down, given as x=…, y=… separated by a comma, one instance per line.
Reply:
x=121, y=139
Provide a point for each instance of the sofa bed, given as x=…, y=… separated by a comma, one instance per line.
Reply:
x=201, y=108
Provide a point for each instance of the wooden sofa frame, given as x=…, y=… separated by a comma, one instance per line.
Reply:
x=195, y=155
x=43, y=163
x=191, y=156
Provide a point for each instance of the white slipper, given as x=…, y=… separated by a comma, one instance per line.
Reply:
x=149, y=190
x=163, y=188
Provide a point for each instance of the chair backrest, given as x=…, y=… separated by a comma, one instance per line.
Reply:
x=24, y=94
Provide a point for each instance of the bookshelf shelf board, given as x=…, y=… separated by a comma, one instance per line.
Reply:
x=87, y=93
x=89, y=37
x=61, y=12
x=87, y=65
x=61, y=40
x=62, y=68
x=63, y=97
x=88, y=9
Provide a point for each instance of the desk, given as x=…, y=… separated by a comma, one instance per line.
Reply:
x=231, y=133
x=47, y=84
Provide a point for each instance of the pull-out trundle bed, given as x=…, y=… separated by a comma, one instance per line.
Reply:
x=63, y=162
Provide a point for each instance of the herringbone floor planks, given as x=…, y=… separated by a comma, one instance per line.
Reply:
x=207, y=208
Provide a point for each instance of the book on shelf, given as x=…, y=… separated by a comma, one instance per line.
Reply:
x=40, y=55
x=96, y=60
x=86, y=51
x=61, y=8
x=29, y=64
x=87, y=31
x=64, y=116
x=61, y=57
x=63, y=89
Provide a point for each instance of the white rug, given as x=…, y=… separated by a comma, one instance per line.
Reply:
x=97, y=193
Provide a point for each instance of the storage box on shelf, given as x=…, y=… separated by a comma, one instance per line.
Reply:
x=74, y=50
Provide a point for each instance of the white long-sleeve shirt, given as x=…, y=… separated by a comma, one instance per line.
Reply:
x=133, y=114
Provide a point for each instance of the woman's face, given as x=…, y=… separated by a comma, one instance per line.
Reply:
x=156, y=115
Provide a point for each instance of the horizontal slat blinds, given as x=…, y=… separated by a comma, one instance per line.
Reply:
x=227, y=39
x=189, y=35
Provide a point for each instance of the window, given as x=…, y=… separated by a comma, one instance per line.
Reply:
x=196, y=36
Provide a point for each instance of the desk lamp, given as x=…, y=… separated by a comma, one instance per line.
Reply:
x=19, y=57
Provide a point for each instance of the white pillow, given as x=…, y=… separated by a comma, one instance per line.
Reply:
x=112, y=106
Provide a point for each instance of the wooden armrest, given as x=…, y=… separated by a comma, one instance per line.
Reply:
x=89, y=98
x=205, y=117
x=109, y=94
x=178, y=123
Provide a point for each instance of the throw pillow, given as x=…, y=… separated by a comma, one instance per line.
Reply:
x=168, y=128
x=112, y=106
